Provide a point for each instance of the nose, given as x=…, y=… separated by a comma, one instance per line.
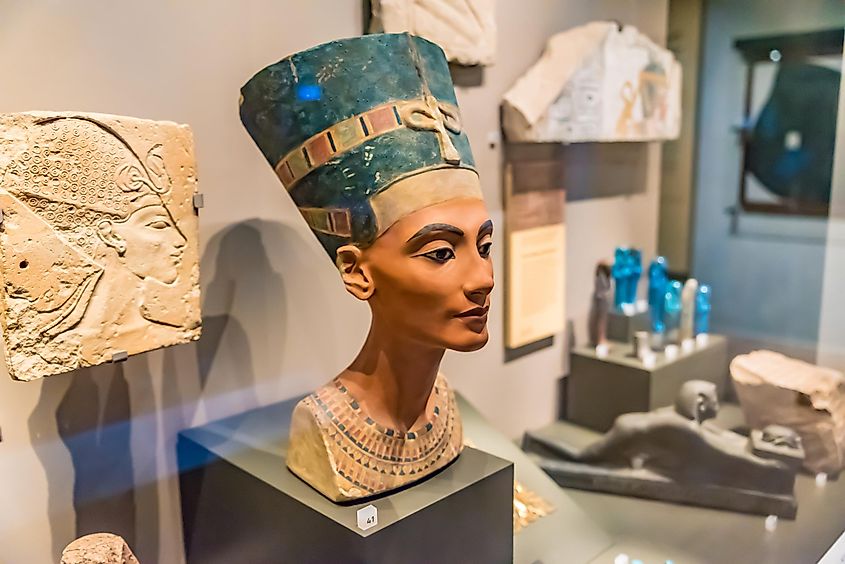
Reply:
x=179, y=241
x=478, y=282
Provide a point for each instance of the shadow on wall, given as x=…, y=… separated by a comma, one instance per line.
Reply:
x=231, y=359
x=120, y=423
x=93, y=421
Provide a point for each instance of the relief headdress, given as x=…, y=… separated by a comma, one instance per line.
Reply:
x=71, y=173
x=350, y=125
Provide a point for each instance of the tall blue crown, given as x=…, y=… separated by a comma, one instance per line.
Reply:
x=342, y=122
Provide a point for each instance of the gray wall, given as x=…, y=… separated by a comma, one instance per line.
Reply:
x=832, y=324
x=767, y=277
x=678, y=167
x=95, y=450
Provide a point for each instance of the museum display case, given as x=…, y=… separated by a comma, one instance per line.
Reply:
x=522, y=282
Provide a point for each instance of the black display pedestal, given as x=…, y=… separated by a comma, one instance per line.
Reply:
x=621, y=326
x=241, y=504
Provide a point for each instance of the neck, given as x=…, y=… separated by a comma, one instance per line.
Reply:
x=105, y=308
x=392, y=378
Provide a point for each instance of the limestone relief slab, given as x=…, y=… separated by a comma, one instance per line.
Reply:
x=99, y=548
x=596, y=82
x=464, y=29
x=99, y=239
x=775, y=389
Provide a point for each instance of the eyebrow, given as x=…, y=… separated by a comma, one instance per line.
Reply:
x=434, y=228
x=485, y=229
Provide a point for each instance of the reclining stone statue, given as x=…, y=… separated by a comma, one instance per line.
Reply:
x=675, y=454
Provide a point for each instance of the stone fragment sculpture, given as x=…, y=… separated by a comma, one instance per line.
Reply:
x=366, y=136
x=98, y=548
x=98, y=243
x=596, y=82
x=599, y=306
x=464, y=29
x=689, y=294
x=675, y=453
x=774, y=389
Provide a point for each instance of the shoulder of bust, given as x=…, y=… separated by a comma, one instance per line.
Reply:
x=309, y=455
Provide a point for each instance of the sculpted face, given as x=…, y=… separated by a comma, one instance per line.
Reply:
x=698, y=400
x=150, y=244
x=429, y=276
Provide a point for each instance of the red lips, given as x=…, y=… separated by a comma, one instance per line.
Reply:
x=475, y=312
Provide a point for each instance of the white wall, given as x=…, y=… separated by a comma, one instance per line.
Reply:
x=96, y=449
x=767, y=278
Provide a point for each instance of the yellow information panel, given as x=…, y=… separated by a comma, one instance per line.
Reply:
x=537, y=284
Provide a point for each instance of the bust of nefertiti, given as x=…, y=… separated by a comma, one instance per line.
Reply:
x=365, y=135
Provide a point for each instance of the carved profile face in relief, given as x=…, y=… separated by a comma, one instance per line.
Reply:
x=148, y=242
x=96, y=229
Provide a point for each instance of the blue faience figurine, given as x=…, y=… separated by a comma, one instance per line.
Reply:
x=702, y=309
x=621, y=272
x=657, y=281
x=635, y=260
x=672, y=308
x=626, y=271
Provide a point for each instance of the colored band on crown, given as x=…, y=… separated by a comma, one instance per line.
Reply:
x=426, y=113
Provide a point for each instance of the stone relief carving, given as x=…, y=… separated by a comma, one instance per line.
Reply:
x=774, y=389
x=596, y=82
x=98, y=244
x=464, y=29
x=99, y=548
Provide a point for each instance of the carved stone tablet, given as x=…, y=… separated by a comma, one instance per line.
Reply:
x=99, y=548
x=596, y=82
x=774, y=389
x=464, y=29
x=98, y=243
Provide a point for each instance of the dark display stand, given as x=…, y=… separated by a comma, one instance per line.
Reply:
x=598, y=390
x=621, y=327
x=568, y=535
x=241, y=504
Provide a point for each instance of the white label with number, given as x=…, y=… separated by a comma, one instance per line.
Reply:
x=367, y=517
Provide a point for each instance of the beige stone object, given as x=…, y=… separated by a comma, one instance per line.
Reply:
x=464, y=29
x=776, y=389
x=596, y=82
x=99, y=548
x=99, y=240
x=528, y=507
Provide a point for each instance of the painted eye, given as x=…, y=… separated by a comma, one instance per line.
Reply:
x=440, y=255
x=158, y=224
x=484, y=250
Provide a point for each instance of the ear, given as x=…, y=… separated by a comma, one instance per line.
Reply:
x=354, y=272
x=108, y=235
